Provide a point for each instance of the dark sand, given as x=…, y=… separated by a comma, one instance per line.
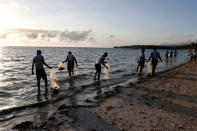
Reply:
x=167, y=101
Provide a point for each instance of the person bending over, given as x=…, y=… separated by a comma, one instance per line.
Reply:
x=100, y=60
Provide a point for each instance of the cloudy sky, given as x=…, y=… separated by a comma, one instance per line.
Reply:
x=97, y=23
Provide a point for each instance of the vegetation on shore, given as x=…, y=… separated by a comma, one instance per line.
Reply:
x=193, y=45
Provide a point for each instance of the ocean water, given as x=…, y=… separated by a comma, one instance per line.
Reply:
x=18, y=86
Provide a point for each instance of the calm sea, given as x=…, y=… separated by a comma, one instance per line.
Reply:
x=18, y=86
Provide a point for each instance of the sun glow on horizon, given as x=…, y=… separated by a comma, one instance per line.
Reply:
x=8, y=18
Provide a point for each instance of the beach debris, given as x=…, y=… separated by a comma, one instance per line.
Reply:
x=62, y=107
x=144, y=94
x=108, y=108
x=61, y=66
x=54, y=82
x=51, y=117
x=23, y=125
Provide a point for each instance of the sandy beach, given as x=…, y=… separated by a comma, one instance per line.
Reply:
x=163, y=102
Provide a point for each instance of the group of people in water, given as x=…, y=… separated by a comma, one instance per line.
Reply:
x=171, y=54
x=39, y=61
x=154, y=57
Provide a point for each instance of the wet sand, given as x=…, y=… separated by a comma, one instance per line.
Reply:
x=167, y=101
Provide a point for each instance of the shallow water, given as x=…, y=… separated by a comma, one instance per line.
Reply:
x=18, y=86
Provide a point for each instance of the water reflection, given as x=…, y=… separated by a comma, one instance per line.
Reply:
x=39, y=96
x=71, y=83
x=1, y=66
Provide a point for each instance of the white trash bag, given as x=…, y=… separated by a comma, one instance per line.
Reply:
x=149, y=70
x=54, y=83
x=106, y=71
x=61, y=66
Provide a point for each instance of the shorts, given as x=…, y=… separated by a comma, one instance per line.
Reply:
x=98, y=67
x=70, y=66
x=154, y=63
x=40, y=73
x=141, y=64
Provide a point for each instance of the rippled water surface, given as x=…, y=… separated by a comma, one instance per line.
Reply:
x=18, y=86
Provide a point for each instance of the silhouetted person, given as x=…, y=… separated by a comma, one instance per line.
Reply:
x=167, y=54
x=171, y=54
x=154, y=56
x=192, y=56
x=175, y=53
x=40, y=72
x=100, y=60
x=71, y=61
x=141, y=61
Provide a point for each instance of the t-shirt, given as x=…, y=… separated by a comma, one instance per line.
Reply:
x=142, y=57
x=100, y=60
x=192, y=54
x=155, y=55
x=70, y=57
x=39, y=59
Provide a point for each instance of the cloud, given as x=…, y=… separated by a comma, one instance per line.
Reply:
x=112, y=36
x=17, y=5
x=46, y=35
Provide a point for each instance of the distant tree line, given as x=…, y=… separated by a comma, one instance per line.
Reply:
x=193, y=45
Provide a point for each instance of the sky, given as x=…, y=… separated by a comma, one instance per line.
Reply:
x=97, y=23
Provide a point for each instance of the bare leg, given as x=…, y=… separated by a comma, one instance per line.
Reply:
x=95, y=75
x=138, y=67
x=46, y=83
x=140, y=71
x=99, y=73
x=73, y=72
x=69, y=73
x=153, y=70
x=38, y=84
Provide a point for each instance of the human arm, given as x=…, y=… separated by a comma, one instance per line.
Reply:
x=103, y=62
x=32, y=70
x=44, y=63
x=149, y=57
x=65, y=60
x=75, y=61
x=47, y=65
x=160, y=57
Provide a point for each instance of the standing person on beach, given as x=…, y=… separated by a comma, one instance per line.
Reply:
x=154, y=56
x=175, y=53
x=71, y=62
x=192, y=56
x=171, y=54
x=40, y=72
x=100, y=60
x=141, y=61
x=167, y=54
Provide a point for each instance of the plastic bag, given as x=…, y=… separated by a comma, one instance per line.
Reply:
x=61, y=66
x=54, y=83
x=106, y=71
x=149, y=70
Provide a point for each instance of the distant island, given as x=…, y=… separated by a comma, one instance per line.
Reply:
x=183, y=46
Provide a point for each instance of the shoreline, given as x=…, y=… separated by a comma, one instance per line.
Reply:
x=75, y=115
